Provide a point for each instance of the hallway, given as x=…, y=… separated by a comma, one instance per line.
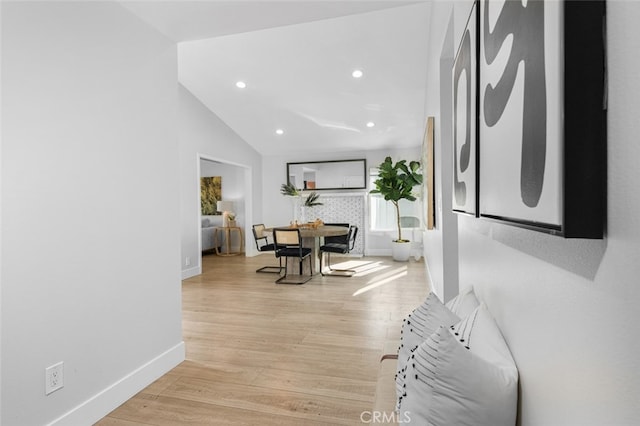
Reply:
x=261, y=353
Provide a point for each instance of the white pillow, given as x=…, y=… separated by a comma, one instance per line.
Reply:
x=464, y=379
x=464, y=303
x=419, y=325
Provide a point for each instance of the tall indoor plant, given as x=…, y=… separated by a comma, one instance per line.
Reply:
x=395, y=182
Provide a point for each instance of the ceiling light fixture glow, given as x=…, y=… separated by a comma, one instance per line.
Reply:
x=279, y=132
x=241, y=84
x=371, y=124
x=357, y=73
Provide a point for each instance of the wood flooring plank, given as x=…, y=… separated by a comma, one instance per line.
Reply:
x=216, y=372
x=317, y=384
x=329, y=339
x=268, y=400
x=166, y=411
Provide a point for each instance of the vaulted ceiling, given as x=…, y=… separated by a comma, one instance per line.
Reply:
x=296, y=60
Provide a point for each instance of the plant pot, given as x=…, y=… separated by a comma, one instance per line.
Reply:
x=401, y=250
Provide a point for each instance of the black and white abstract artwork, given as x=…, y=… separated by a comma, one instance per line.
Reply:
x=464, y=121
x=521, y=109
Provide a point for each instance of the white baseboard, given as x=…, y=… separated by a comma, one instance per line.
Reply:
x=101, y=404
x=191, y=272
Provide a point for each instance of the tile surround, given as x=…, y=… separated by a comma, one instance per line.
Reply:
x=341, y=208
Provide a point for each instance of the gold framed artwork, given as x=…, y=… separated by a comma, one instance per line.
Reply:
x=428, y=165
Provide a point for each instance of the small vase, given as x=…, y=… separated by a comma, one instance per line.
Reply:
x=296, y=208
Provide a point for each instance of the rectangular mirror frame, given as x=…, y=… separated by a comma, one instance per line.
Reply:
x=362, y=174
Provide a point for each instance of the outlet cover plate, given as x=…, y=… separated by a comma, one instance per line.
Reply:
x=54, y=378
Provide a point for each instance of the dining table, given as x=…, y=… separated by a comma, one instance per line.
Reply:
x=312, y=237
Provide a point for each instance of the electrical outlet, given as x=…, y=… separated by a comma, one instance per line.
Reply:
x=187, y=261
x=54, y=378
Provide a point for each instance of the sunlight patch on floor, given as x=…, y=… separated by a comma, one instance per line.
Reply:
x=382, y=279
x=360, y=266
x=371, y=268
x=352, y=264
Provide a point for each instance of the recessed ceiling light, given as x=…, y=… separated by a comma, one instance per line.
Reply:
x=279, y=132
x=241, y=84
x=357, y=73
x=371, y=124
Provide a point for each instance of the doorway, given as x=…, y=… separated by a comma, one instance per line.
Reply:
x=235, y=186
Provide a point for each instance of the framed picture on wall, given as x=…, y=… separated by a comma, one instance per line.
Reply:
x=542, y=133
x=210, y=194
x=428, y=165
x=465, y=179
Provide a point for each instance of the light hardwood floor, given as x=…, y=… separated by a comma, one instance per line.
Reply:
x=260, y=353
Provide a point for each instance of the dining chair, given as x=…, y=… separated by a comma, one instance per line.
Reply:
x=289, y=244
x=342, y=244
x=337, y=239
x=263, y=245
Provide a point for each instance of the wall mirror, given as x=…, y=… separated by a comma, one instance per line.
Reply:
x=319, y=175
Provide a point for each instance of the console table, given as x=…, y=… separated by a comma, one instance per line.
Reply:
x=227, y=230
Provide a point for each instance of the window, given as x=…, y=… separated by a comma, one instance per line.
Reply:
x=382, y=214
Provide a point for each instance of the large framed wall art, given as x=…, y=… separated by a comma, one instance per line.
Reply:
x=465, y=114
x=542, y=115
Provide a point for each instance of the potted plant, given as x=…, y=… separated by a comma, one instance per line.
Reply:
x=288, y=189
x=395, y=182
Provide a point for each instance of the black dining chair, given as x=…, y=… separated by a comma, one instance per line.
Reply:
x=338, y=239
x=289, y=244
x=342, y=244
x=263, y=245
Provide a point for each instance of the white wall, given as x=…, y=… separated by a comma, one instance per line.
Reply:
x=441, y=243
x=90, y=254
x=281, y=211
x=204, y=135
x=568, y=308
x=1, y=135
